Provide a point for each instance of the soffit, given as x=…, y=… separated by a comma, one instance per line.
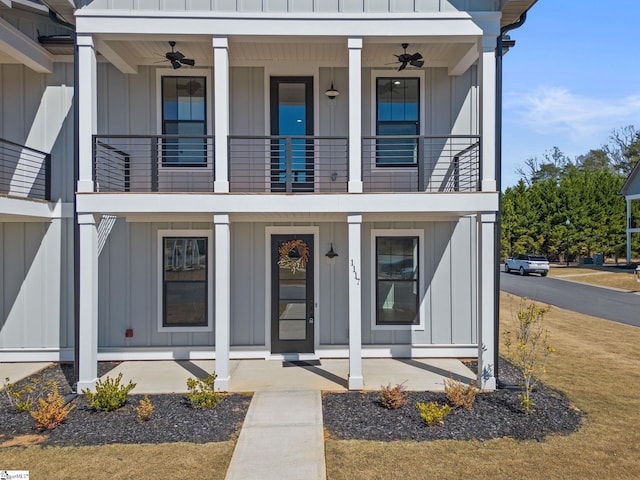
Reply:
x=513, y=9
x=332, y=53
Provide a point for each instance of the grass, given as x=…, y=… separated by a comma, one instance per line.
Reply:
x=600, y=276
x=112, y=462
x=596, y=364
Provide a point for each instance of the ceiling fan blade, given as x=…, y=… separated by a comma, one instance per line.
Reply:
x=416, y=63
x=175, y=64
x=403, y=66
x=415, y=56
x=187, y=61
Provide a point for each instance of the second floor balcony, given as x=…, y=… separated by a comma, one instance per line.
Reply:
x=286, y=164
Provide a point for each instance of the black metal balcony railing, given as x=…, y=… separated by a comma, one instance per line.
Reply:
x=421, y=163
x=24, y=171
x=153, y=163
x=281, y=164
x=278, y=164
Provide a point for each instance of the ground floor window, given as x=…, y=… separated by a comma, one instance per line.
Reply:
x=185, y=281
x=396, y=287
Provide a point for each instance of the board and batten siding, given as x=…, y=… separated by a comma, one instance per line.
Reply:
x=36, y=111
x=295, y=6
x=127, y=104
x=36, y=305
x=449, y=285
x=129, y=286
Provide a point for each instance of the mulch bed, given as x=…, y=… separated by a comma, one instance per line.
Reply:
x=351, y=415
x=495, y=414
x=173, y=418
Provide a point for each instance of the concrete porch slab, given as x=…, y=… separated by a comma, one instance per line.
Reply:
x=274, y=375
x=19, y=370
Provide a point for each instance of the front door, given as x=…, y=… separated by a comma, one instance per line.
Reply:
x=292, y=134
x=292, y=295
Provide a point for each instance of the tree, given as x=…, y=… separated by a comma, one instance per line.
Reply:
x=624, y=149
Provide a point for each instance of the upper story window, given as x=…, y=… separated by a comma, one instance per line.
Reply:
x=184, y=109
x=397, y=115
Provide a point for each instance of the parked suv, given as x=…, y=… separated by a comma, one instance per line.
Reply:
x=528, y=263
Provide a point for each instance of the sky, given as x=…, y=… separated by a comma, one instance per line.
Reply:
x=572, y=78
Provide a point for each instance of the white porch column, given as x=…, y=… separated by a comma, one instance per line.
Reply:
x=488, y=114
x=355, y=115
x=87, y=110
x=356, y=380
x=222, y=299
x=628, y=227
x=221, y=112
x=486, y=307
x=88, y=290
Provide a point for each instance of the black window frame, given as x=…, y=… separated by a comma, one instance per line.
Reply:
x=407, y=144
x=166, y=142
x=165, y=283
x=415, y=281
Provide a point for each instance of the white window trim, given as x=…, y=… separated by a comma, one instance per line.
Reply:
x=315, y=231
x=421, y=267
x=191, y=72
x=375, y=74
x=210, y=298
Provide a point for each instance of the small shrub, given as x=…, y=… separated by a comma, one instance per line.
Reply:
x=432, y=412
x=51, y=411
x=109, y=394
x=144, y=409
x=393, y=397
x=202, y=393
x=22, y=400
x=528, y=347
x=460, y=395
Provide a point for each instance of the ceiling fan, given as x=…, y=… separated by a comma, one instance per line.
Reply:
x=415, y=60
x=176, y=58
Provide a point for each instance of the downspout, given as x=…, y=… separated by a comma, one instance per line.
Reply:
x=76, y=226
x=53, y=16
x=498, y=224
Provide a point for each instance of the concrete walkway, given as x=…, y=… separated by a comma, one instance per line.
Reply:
x=281, y=438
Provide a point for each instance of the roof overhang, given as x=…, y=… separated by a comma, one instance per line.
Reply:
x=512, y=10
x=23, y=49
x=64, y=9
x=630, y=181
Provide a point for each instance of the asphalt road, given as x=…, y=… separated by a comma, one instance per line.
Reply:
x=598, y=302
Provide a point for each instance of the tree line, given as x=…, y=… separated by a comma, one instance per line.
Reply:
x=563, y=207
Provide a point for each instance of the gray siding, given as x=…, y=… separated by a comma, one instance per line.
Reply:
x=36, y=111
x=296, y=6
x=128, y=276
x=449, y=285
x=36, y=309
x=129, y=292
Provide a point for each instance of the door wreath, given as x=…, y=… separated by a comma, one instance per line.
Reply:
x=299, y=260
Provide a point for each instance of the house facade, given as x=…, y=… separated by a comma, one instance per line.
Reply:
x=631, y=193
x=286, y=179
x=36, y=188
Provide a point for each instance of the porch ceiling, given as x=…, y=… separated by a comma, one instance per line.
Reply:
x=254, y=52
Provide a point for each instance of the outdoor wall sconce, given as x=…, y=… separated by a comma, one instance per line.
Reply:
x=332, y=92
x=331, y=254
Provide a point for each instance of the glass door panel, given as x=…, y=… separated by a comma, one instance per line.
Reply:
x=292, y=295
x=292, y=121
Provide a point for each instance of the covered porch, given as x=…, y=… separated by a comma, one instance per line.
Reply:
x=170, y=376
